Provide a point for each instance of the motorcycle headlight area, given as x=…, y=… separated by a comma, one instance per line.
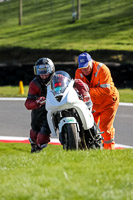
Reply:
x=57, y=90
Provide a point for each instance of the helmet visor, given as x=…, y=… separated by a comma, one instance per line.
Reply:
x=42, y=69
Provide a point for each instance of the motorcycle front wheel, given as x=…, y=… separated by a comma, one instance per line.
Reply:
x=70, y=137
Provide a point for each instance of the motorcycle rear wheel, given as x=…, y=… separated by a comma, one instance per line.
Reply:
x=70, y=137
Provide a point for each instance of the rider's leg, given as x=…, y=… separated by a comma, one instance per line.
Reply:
x=32, y=139
x=43, y=137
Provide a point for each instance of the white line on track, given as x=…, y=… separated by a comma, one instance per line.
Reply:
x=21, y=139
x=23, y=99
x=125, y=104
x=123, y=146
x=12, y=99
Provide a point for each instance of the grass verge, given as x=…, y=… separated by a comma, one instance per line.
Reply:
x=57, y=174
x=126, y=95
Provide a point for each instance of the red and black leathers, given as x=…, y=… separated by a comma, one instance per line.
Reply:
x=40, y=131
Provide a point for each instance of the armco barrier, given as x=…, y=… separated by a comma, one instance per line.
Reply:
x=13, y=73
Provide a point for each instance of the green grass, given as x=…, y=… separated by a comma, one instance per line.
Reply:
x=49, y=25
x=104, y=25
x=126, y=95
x=12, y=91
x=59, y=175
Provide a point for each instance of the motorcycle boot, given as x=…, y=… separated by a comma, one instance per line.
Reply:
x=33, y=146
x=32, y=140
x=40, y=147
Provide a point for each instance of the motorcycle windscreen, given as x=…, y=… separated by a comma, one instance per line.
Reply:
x=59, y=83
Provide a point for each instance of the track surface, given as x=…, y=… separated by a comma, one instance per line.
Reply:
x=15, y=120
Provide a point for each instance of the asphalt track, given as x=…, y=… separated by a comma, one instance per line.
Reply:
x=15, y=120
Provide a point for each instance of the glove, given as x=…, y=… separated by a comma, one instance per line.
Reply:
x=86, y=97
x=41, y=101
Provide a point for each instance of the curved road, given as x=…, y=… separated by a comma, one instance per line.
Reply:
x=15, y=120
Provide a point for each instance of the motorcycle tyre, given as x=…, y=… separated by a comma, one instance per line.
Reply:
x=70, y=136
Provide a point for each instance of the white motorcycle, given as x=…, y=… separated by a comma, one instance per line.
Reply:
x=68, y=117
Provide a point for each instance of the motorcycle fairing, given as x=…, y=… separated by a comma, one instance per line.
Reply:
x=69, y=100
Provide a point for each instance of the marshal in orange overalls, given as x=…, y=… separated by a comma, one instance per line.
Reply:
x=105, y=98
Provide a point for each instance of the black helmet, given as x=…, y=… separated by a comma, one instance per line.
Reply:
x=44, y=66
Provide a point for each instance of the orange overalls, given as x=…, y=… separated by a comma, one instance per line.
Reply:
x=105, y=98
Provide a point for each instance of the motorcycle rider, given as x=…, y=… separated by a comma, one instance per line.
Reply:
x=40, y=132
x=104, y=95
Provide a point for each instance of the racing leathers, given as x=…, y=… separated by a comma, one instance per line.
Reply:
x=105, y=98
x=40, y=132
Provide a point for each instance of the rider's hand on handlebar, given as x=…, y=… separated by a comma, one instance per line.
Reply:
x=86, y=97
x=41, y=101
